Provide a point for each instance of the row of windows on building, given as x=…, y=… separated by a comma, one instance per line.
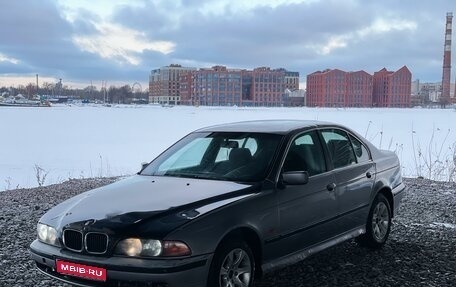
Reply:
x=239, y=87
x=383, y=89
x=219, y=85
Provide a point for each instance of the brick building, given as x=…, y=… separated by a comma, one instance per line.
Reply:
x=392, y=89
x=267, y=88
x=164, y=84
x=185, y=88
x=337, y=88
x=216, y=86
x=327, y=88
x=359, y=89
x=220, y=86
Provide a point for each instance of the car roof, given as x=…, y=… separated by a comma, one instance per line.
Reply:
x=265, y=126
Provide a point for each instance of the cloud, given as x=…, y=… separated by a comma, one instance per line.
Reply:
x=115, y=40
x=119, y=43
x=4, y=58
x=41, y=42
x=34, y=34
x=384, y=25
x=379, y=26
x=300, y=35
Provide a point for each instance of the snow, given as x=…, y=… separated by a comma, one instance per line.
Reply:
x=90, y=141
x=443, y=224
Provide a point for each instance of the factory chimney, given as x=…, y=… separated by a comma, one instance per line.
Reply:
x=446, y=75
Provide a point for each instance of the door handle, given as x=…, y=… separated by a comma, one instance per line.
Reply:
x=368, y=174
x=331, y=186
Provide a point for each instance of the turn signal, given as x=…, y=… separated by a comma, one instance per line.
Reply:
x=175, y=248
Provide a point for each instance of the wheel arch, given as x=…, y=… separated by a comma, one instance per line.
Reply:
x=387, y=192
x=251, y=237
x=383, y=186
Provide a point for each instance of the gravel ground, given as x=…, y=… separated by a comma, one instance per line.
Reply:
x=421, y=250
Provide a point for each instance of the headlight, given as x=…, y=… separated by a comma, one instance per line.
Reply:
x=151, y=248
x=47, y=234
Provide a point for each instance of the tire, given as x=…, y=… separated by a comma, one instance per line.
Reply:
x=378, y=224
x=233, y=265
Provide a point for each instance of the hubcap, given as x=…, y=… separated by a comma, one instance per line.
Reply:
x=236, y=269
x=380, y=221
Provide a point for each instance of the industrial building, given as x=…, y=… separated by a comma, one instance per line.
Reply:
x=438, y=93
x=337, y=88
x=429, y=94
x=392, y=89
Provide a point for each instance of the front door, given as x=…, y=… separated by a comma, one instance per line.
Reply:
x=306, y=211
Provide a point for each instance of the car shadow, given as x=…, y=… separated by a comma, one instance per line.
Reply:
x=347, y=264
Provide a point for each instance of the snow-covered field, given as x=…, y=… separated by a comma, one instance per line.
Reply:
x=91, y=141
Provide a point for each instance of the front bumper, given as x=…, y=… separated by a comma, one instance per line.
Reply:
x=124, y=271
x=398, y=194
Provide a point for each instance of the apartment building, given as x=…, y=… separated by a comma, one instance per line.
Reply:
x=337, y=88
x=221, y=86
x=216, y=86
x=392, y=89
x=164, y=84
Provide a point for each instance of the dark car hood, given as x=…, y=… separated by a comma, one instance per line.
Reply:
x=140, y=198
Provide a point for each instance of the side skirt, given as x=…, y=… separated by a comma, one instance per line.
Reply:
x=302, y=254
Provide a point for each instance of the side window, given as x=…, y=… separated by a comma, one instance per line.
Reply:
x=305, y=154
x=360, y=150
x=339, y=147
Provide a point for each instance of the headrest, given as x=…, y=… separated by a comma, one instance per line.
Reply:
x=240, y=155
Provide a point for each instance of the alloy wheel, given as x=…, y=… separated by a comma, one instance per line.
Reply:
x=380, y=221
x=236, y=269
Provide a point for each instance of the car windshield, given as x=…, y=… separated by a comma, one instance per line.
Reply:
x=234, y=156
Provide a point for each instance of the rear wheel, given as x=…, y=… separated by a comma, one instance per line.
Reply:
x=378, y=224
x=233, y=266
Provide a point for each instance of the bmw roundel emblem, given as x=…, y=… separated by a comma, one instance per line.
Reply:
x=89, y=222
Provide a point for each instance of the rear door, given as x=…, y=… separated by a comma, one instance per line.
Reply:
x=354, y=172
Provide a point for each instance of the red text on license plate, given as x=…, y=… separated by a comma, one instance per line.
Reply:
x=80, y=270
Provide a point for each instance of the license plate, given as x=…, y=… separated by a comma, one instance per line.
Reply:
x=80, y=270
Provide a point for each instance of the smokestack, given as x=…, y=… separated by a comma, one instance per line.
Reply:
x=446, y=75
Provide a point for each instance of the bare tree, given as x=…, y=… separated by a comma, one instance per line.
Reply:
x=48, y=88
x=30, y=90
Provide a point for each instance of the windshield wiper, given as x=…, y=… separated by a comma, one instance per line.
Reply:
x=190, y=175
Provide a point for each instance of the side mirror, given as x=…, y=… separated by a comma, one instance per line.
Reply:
x=295, y=177
x=144, y=165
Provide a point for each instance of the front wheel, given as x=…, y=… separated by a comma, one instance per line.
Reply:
x=233, y=266
x=378, y=224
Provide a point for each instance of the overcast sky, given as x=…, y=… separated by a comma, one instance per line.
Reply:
x=121, y=41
